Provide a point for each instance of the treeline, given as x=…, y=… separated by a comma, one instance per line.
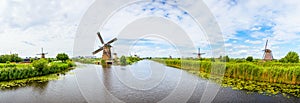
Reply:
x=129, y=60
x=291, y=57
x=10, y=58
x=39, y=67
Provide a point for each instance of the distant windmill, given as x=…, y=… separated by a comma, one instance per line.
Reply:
x=106, y=49
x=42, y=54
x=267, y=53
x=170, y=57
x=199, y=53
x=115, y=57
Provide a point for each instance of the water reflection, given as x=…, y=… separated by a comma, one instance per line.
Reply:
x=106, y=77
x=37, y=86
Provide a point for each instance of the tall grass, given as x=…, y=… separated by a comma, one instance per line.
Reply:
x=21, y=71
x=287, y=73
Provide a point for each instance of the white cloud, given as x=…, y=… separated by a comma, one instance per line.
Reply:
x=28, y=26
x=251, y=15
x=247, y=14
x=253, y=41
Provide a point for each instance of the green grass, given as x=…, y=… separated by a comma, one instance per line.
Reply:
x=129, y=60
x=87, y=60
x=20, y=71
x=277, y=77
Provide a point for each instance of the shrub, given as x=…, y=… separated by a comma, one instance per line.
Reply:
x=123, y=60
x=70, y=63
x=103, y=62
x=40, y=64
x=291, y=57
x=249, y=59
x=62, y=56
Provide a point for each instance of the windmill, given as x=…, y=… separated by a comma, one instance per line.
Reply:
x=42, y=54
x=116, y=59
x=199, y=53
x=267, y=53
x=106, y=49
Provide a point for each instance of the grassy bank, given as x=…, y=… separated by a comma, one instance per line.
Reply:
x=269, y=77
x=24, y=82
x=21, y=71
x=87, y=60
x=128, y=60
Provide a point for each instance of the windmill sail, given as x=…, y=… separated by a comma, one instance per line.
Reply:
x=111, y=41
x=266, y=44
x=100, y=37
x=97, y=51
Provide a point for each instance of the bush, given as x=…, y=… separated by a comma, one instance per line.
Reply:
x=130, y=60
x=123, y=60
x=291, y=57
x=62, y=56
x=249, y=59
x=40, y=64
x=70, y=63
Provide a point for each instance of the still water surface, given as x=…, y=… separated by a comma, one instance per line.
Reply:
x=145, y=81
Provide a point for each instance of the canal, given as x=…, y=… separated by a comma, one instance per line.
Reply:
x=145, y=81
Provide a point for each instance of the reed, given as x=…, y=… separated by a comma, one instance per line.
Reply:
x=288, y=73
x=21, y=71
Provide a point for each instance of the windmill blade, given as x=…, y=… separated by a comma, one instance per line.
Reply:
x=264, y=55
x=111, y=41
x=97, y=51
x=45, y=53
x=195, y=53
x=202, y=53
x=98, y=33
x=198, y=50
x=266, y=45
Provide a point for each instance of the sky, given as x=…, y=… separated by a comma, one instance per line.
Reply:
x=28, y=26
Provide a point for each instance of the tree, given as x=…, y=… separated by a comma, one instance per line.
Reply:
x=62, y=56
x=123, y=60
x=10, y=58
x=291, y=57
x=225, y=58
x=249, y=59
